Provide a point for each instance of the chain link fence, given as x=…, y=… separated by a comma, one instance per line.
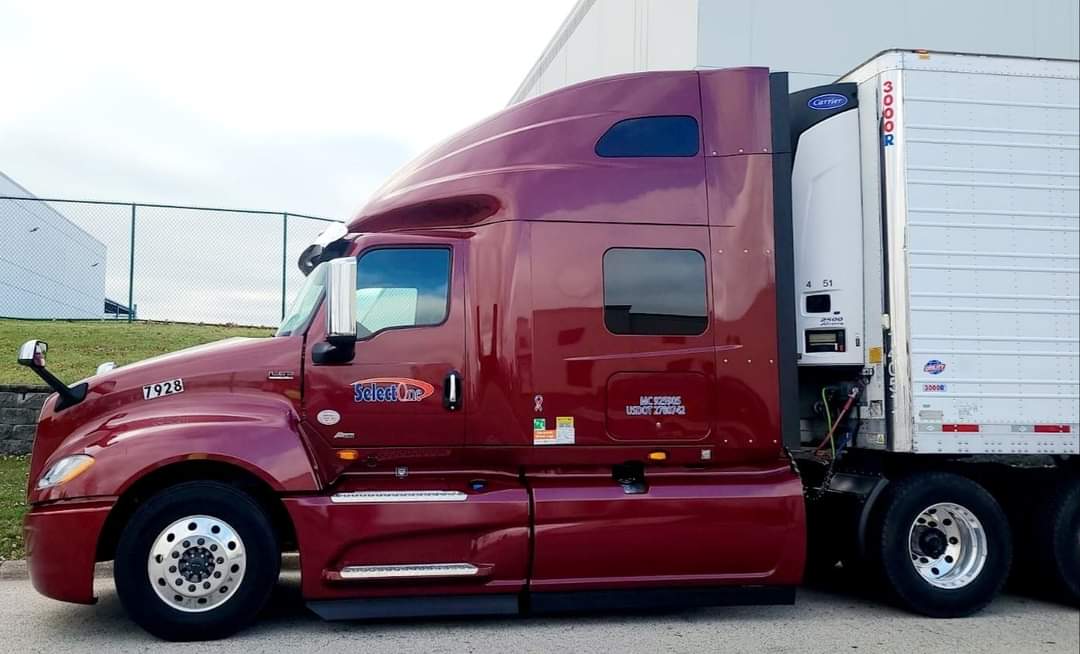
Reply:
x=71, y=259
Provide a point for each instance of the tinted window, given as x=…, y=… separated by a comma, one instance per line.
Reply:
x=650, y=136
x=654, y=292
x=401, y=287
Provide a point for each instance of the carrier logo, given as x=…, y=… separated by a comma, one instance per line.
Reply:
x=934, y=367
x=827, y=101
x=391, y=389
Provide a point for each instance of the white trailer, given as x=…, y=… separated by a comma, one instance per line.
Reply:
x=936, y=212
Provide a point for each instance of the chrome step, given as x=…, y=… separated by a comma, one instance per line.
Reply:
x=369, y=497
x=412, y=570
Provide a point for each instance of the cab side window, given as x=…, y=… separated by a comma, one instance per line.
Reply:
x=655, y=292
x=401, y=287
x=650, y=136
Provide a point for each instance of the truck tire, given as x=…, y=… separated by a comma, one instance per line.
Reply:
x=197, y=561
x=944, y=544
x=1057, y=540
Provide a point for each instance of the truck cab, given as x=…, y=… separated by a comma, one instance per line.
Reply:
x=539, y=371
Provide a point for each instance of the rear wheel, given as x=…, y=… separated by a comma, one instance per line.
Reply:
x=1057, y=540
x=944, y=544
x=196, y=562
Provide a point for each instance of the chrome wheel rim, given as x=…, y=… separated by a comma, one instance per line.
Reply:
x=947, y=545
x=197, y=563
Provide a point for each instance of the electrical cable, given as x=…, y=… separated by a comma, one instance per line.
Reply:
x=828, y=415
x=847, y=406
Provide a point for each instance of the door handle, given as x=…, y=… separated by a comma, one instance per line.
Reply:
x=452, y=391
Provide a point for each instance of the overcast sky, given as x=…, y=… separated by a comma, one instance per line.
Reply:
x=305, y=107
x=299, y=106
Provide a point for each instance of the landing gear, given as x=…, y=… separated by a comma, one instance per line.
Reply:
x=943, y=544
x=196, y=562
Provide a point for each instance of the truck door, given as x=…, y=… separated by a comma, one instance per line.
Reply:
x=402, y=388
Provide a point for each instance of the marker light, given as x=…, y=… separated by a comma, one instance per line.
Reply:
x=348, y=455
x=65, y=470
x=658, y=455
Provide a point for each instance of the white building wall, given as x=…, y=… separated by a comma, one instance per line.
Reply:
x=49, y=268
x=607, y=37
x=816, y=42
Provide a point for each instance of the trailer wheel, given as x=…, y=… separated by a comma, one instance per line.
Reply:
x=945, y=547
x=1057, y=539
x=197, y=561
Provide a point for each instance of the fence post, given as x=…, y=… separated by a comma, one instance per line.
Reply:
x=284, y=256
x=131, y=269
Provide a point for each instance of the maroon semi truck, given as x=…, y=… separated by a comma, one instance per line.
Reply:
x=550, y=366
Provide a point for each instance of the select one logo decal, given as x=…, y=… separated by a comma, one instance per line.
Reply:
x=934, y=367
x=827, y=101
x=391, y=389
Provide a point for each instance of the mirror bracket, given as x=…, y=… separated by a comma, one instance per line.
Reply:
x=331, y=353
x=32, y=355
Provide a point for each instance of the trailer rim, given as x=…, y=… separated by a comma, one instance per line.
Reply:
x=947, y=545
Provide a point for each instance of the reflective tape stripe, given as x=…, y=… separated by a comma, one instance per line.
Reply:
x=1052, y=429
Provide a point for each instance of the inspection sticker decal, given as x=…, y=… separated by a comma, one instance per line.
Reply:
x=563, y=434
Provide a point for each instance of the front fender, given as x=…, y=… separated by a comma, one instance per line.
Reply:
x=254, y=431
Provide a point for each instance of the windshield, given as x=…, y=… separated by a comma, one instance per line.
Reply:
x=304, y=303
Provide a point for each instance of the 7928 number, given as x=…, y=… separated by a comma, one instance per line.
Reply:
x=167, y=387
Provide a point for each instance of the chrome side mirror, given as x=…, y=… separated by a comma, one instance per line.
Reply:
x=32, y=354
x=340, y=344
x=341, y=301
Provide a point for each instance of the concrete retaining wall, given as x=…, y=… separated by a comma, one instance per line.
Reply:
x=19, y=407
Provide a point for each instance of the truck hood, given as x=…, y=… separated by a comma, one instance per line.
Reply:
x=208, y=375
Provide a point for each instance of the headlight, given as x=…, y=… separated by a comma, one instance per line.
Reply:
x=65, y=469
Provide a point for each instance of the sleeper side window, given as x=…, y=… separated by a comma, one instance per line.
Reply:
x=650, y=136
x=655, y=291
x=401, y=287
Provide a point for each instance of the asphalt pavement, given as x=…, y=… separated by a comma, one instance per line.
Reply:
x=822, y=620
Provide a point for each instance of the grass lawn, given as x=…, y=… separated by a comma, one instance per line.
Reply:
x=76, y=348
x=13, y=470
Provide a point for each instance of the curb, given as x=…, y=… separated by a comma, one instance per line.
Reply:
x=17, y=570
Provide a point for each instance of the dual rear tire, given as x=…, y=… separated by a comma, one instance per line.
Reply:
x=943, y=544
x=1055, y=541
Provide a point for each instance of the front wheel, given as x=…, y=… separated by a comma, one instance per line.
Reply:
x=196, y=562
x=945, y=547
